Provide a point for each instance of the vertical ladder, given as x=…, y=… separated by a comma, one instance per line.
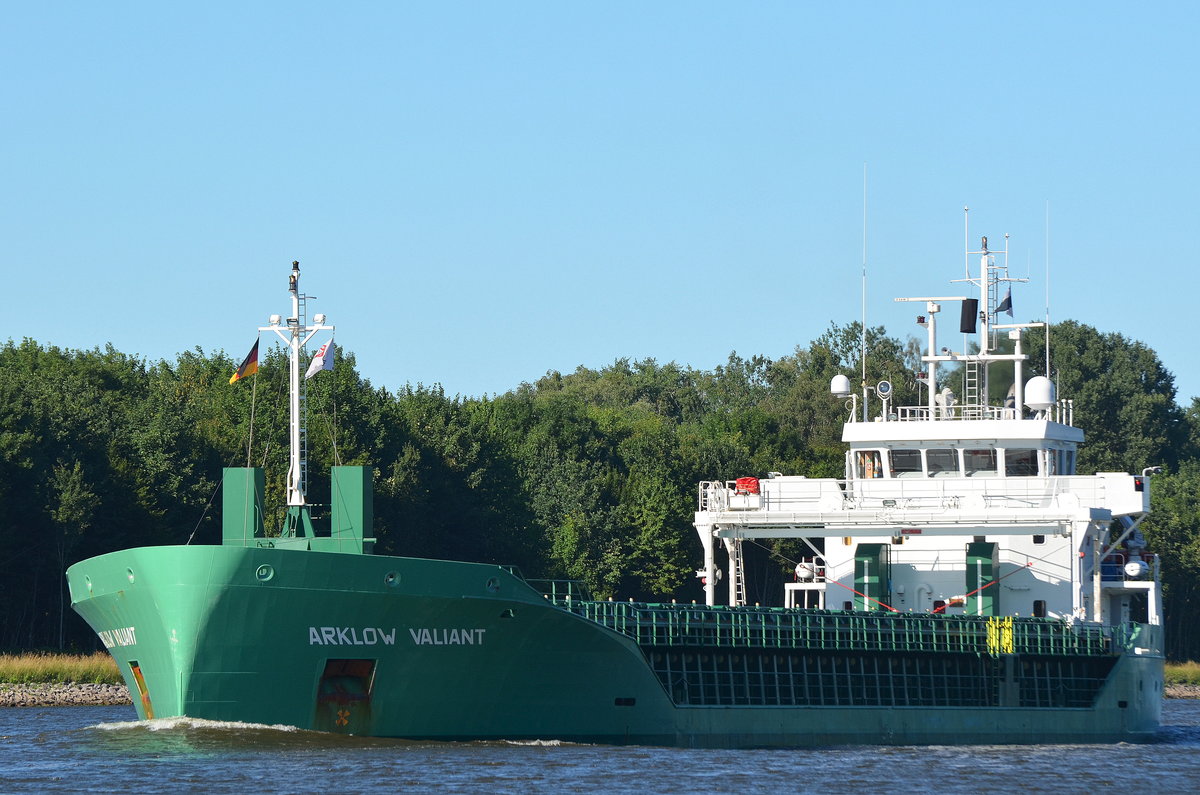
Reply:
x=971, y=399
x=739, y=575
x=303, y=318
x=993, y=298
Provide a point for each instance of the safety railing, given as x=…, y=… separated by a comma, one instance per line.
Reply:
x=662, y=625
x=955, y=412
x=561, y=591
x=1063, y=411
x=826, y=494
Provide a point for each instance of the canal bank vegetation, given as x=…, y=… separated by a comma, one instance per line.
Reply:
x=588, y=475
x=1185, y=673
x=95, y=668
x=100, y=668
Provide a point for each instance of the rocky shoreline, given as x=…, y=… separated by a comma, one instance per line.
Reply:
x=1181, y=691
x=63, y=695
x=80, y=695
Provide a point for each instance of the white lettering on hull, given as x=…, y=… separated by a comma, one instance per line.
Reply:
x=351, y=636
x=447, y=637
x=373, y=636
x=125, y=636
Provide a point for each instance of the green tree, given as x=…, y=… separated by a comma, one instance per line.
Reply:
x=1124, y=399
x=1173, y=532
x=71, y=509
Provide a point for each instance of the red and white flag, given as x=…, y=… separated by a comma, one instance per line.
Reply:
x=322, y=361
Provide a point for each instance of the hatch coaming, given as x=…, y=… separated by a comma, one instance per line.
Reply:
x=761, y=656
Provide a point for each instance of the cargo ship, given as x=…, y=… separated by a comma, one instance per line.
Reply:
x=960, y=584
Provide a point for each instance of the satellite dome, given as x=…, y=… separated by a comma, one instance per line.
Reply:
x=1039, y=393
x=839, y=385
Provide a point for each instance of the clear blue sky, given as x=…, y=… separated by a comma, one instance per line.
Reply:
x=481, y=192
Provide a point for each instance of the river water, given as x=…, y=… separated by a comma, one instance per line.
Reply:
x=102, y=749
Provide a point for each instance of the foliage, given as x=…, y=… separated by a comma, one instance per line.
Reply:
x=589, y=475
x=95, y=668
x=1124, y=398
x=1173, y=532
x=1184, y=673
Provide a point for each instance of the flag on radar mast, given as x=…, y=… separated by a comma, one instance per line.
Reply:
x=322, y=361
x=1006, y=304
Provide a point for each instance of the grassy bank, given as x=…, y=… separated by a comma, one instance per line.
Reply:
x=1187, y=673
x=98, y=668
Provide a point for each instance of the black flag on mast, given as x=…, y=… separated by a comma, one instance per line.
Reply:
x=1006, y=304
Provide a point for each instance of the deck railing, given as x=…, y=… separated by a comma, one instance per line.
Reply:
x=663, y=625
x=1063, y=411
x=827, y=494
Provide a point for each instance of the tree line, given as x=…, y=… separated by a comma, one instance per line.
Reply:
x=589, y=475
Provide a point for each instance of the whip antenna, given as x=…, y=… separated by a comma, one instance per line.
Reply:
x=863, y=343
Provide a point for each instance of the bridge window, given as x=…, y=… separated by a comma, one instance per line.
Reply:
x=906, y=463
x=869, y=464
x=943, y=462
x=1020, y=463
x=980, y=463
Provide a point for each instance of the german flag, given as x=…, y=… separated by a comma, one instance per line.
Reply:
x=249, y=364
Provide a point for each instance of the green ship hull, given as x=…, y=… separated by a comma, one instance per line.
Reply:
x=425, y=649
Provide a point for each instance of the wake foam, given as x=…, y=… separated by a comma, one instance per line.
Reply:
x=537, y=743
x=184, y=722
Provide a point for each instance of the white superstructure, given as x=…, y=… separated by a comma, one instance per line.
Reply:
x=952, y=506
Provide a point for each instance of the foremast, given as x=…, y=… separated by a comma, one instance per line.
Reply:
x=296, y=333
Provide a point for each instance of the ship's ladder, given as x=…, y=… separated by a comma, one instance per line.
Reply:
x=993, y=299
x=739, y=575
x=303, y=317
x=972, y=405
